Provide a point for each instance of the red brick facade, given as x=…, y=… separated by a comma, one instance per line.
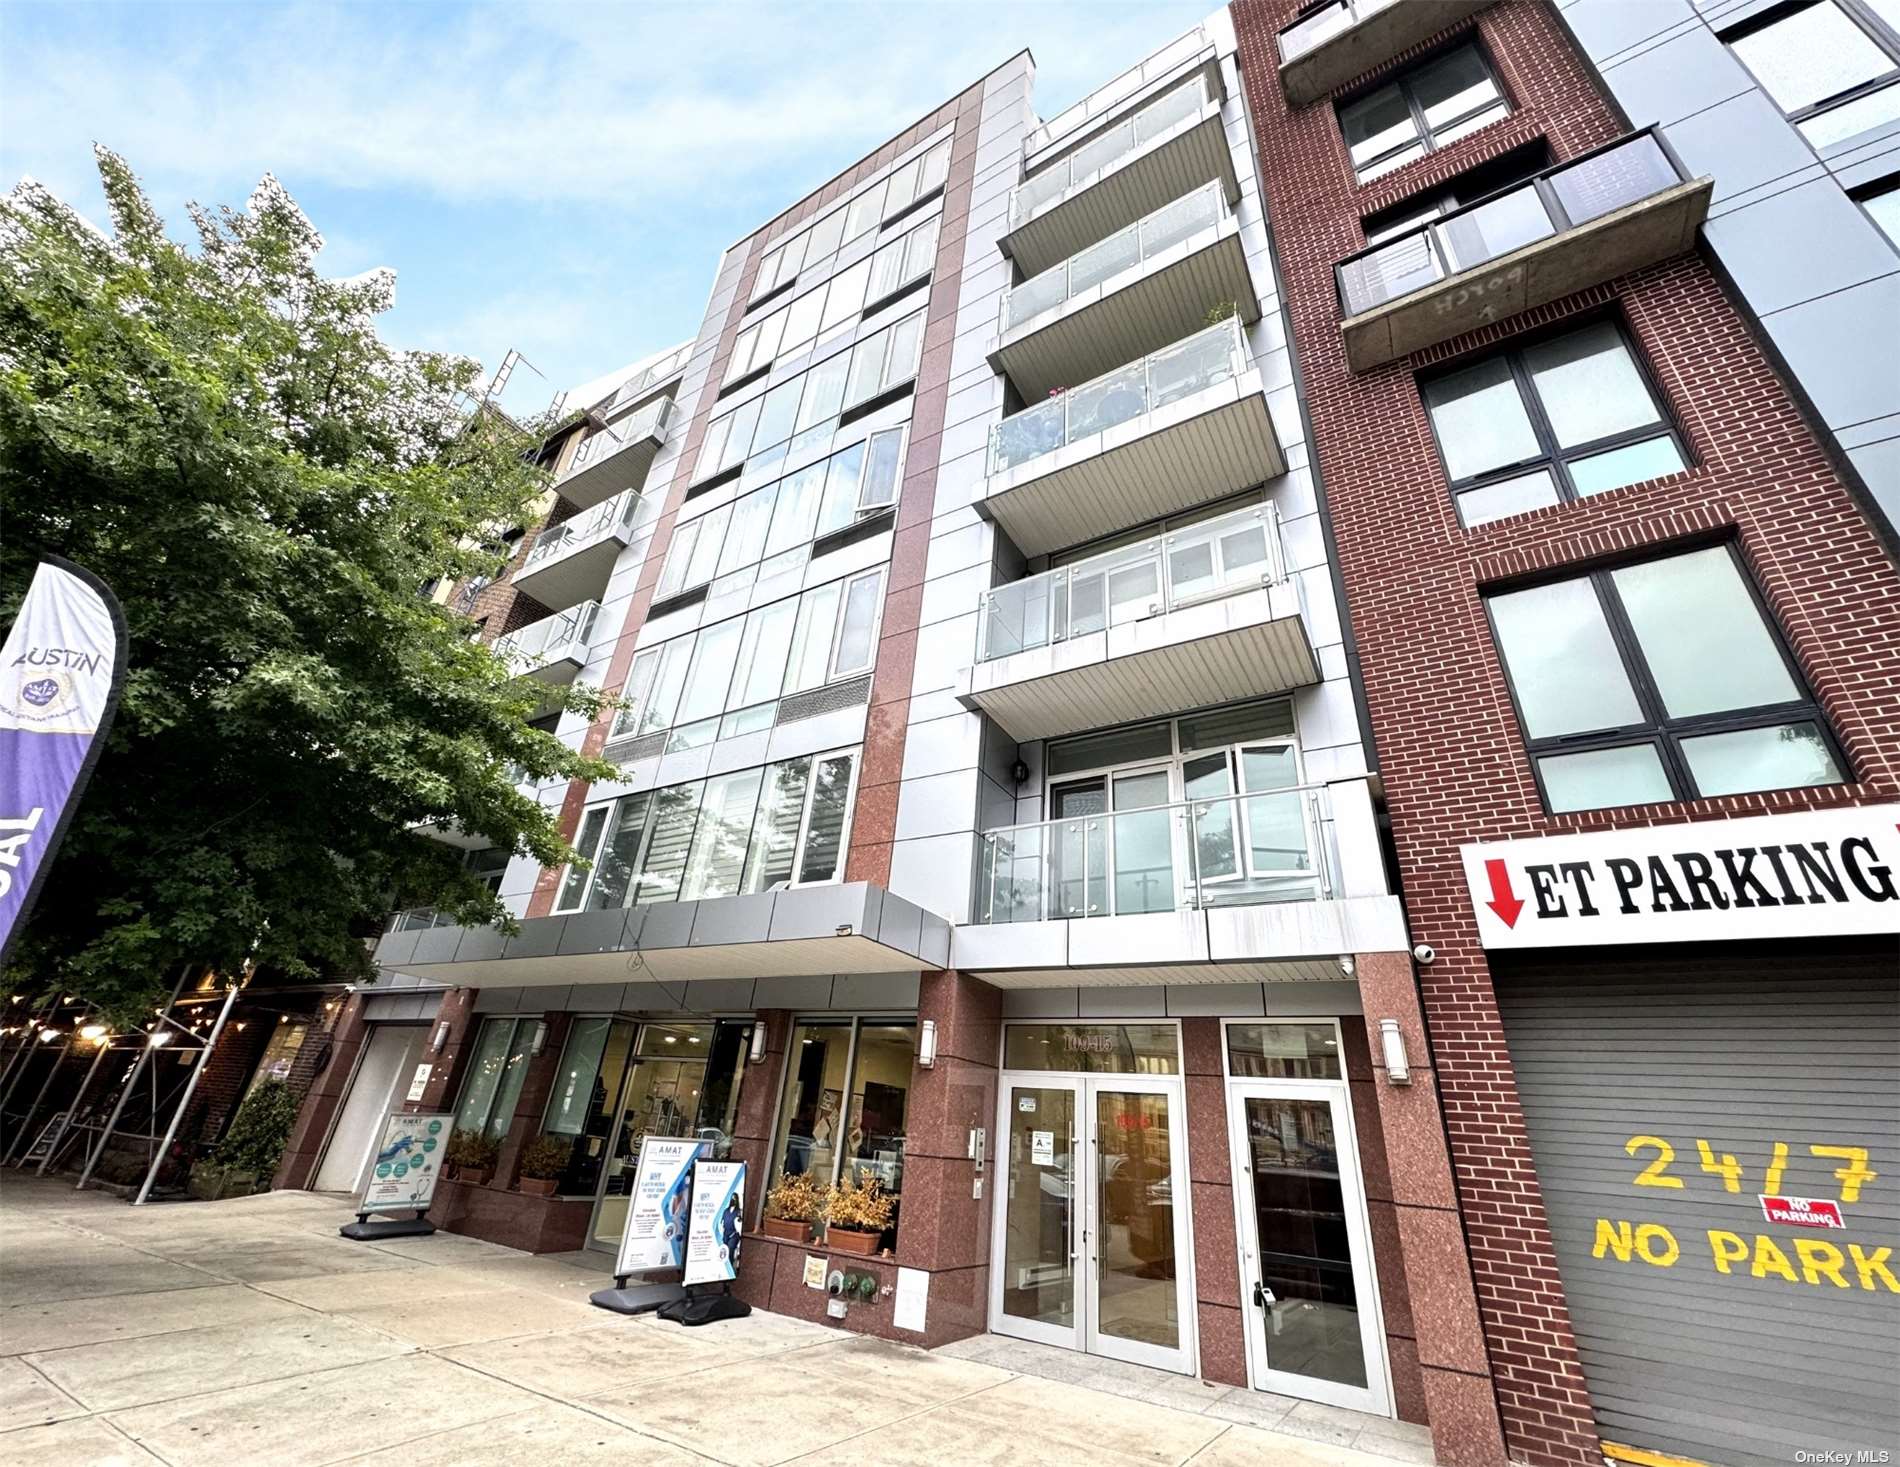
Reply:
x=1449, y=746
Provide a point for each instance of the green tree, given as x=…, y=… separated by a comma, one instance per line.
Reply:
x=221, y=434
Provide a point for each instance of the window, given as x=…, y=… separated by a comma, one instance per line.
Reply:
x=750, y=831
x=778, y=522
x=1830, y=65
x=495, y=1073
x=1657, y=681
x=1561, y=419
x=1424, y=110
x=808, y=403
x=1882, y=203
x=847, y=1091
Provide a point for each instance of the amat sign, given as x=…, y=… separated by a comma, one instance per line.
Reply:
x=1819, y=873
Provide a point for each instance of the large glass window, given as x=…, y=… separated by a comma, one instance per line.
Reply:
x=847, y=1092
x=1561, y=419
x=1657, y=681
x=495, y=1073
x=724, y=679
x=1093, y=1049
x=1427, y=107
x=1830, y=65
x=585, y=1095
x=754, y=830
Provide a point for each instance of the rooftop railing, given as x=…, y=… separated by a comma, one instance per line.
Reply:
x=1199, y=562
x=1323, y=24
x=1145, y=238
x=1105, y=99
x=539, y=641
x=1618, y=174
x=1227, y=850
x=651, y=421
x=1099, y=154
x=668, y=366
x=603, y=519
x=1191, y=365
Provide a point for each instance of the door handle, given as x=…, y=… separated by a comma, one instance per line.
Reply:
x=1263, y=1296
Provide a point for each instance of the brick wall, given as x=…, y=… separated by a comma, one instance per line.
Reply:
x=1449, y=746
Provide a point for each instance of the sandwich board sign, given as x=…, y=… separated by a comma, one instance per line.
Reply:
x=407, y=1164
x=712, y=1239
x=655, y=1235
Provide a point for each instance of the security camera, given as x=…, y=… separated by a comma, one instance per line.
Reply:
x=1424, y=953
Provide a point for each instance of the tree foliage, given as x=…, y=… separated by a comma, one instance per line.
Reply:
x=221, y=434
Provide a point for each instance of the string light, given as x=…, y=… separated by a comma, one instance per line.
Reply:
x=93, y=1033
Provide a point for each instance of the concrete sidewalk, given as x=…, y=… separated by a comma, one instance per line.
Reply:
x=247, y=1332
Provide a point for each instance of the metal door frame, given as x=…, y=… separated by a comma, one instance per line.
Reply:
x=1375, y=1396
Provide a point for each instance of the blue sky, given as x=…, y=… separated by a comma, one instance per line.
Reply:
x=558, y=178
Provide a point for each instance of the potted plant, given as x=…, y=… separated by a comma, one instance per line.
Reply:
x=857, y=1214
x=472, y=1155
x=246, y=1159
x=793, y=1205
x=543, y=1161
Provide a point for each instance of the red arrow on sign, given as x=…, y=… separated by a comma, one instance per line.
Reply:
x=1505, y=902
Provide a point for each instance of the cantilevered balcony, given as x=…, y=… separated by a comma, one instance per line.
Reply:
x=617, y=455
x=572, y=562
x=1183, y=426
x=1157, y=153
x=1333, y=44
x=1617, y=209
x=553, y=649
x=1201, y=615
x=1136, y=291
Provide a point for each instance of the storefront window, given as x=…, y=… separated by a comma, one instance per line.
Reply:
x=586, y=1091
x=495, y=1075
x=285, y=1043
x=1283, y=1052
x=1096, y=1049
x=847, y=1092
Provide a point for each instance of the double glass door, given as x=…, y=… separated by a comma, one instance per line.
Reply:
x=1307, y=1290
x=1092, y=1228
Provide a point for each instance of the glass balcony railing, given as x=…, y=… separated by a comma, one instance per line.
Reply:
x=668, y=366
x=540, y=642
x=603, y=519
x=1145, y=238
x=1191, y=365
x=1226, y=850
x=1323, y=24
x=1105, y=99
x=651, y=421
x=1560, y=198
x=1099, y=154
x=1199, y=562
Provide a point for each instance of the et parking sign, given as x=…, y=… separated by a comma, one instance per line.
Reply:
x=407, y=1164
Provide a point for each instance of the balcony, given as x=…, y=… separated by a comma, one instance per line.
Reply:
x=1201, y=615
x=553, y=649
x=616, y=456
x=1328, y=47
x=1183, y=426
x=1234, y=850
x=1136, y=291
x=1121, y=173
x=670, y=365
x=572, y=562
x=1617, y=209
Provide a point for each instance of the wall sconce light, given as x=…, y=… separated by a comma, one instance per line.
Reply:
x=160, y=1038
x=1346, y=964
x=758, y=1042
x=441, y=1038
x=1398, y=1069
x=540, y=1040
x=927, y=1044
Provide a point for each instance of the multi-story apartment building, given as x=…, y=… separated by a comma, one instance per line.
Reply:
x=1631, y=650
x=1794, y=110
x=1000, y=818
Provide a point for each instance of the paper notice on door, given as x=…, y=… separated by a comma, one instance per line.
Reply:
x=1026, y=1104
x=1042, y=1148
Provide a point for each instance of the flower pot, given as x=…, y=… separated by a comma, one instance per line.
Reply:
x=791, y=1230
x=539, y=1186
x=850, y=1240
x=474, y=1176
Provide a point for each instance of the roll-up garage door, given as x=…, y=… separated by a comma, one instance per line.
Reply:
x=1717, y=1142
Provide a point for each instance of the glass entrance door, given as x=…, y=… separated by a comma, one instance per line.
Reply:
x=1306, y=1265
x=1091, y=1222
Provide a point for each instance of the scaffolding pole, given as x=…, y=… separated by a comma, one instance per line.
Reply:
x=131, y=1083
x=18, y=1144
x=22, y=1060
x=184, y=1101
x=72, y=1110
